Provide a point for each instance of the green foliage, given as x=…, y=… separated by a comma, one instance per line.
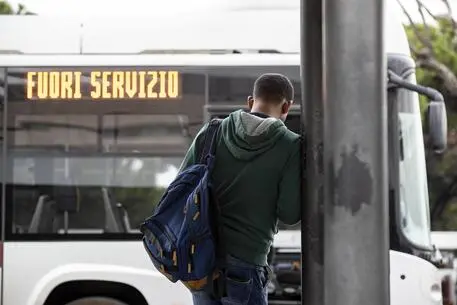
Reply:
x=441, y=38
x=7, y=9
x=441, y=170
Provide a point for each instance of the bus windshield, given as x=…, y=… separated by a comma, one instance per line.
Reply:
x=414, y=203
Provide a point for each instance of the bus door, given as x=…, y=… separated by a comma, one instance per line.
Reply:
x=91, y=150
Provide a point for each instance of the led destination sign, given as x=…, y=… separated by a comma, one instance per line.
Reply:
x=102, y=85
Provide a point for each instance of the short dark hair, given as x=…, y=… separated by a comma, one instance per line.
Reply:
x=273, y=87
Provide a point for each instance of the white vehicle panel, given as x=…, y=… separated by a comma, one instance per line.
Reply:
x=445, y=240
x=33, y=284
x=215, y=31
x=148, y=60
x=413, y=281
x=29, y=282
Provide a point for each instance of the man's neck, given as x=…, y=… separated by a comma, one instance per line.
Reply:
x=263, y=111
x=260, y=114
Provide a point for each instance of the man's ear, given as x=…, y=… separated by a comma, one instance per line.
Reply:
x=250, y=102
x=286, y=106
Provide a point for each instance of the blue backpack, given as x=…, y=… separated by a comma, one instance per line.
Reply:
x=182, y=237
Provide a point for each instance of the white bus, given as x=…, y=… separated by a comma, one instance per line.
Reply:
x=88, y=147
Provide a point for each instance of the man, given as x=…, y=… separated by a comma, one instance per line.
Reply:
x=257, y=180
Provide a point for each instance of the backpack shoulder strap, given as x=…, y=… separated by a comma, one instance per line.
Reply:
x=210, y=142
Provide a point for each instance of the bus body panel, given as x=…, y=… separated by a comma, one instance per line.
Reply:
x=413, y=280
x=105, y=262
x=166, y=60
x=445, y=240
x=30, y=282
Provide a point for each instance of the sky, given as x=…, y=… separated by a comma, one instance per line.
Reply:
x=112, y=8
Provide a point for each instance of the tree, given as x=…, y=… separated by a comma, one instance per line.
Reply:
x=7, y=9
x=434, y=48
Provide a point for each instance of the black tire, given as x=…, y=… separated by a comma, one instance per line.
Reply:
x=96, y=301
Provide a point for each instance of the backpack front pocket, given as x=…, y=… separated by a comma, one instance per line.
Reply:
x=161, y=245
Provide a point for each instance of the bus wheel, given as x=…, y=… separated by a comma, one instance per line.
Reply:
x=96, y=301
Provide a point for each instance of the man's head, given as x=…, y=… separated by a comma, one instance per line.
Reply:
x=273, y=94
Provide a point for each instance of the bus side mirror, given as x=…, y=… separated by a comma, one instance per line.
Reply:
x=436, y=118
x=436, y=122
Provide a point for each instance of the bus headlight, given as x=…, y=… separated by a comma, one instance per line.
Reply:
x=436, y=293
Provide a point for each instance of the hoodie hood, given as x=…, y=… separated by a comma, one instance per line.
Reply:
x=248, y=136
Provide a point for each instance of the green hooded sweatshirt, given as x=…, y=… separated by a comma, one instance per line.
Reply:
x=257, y=181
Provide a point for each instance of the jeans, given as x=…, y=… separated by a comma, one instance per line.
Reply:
x=246, y=285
